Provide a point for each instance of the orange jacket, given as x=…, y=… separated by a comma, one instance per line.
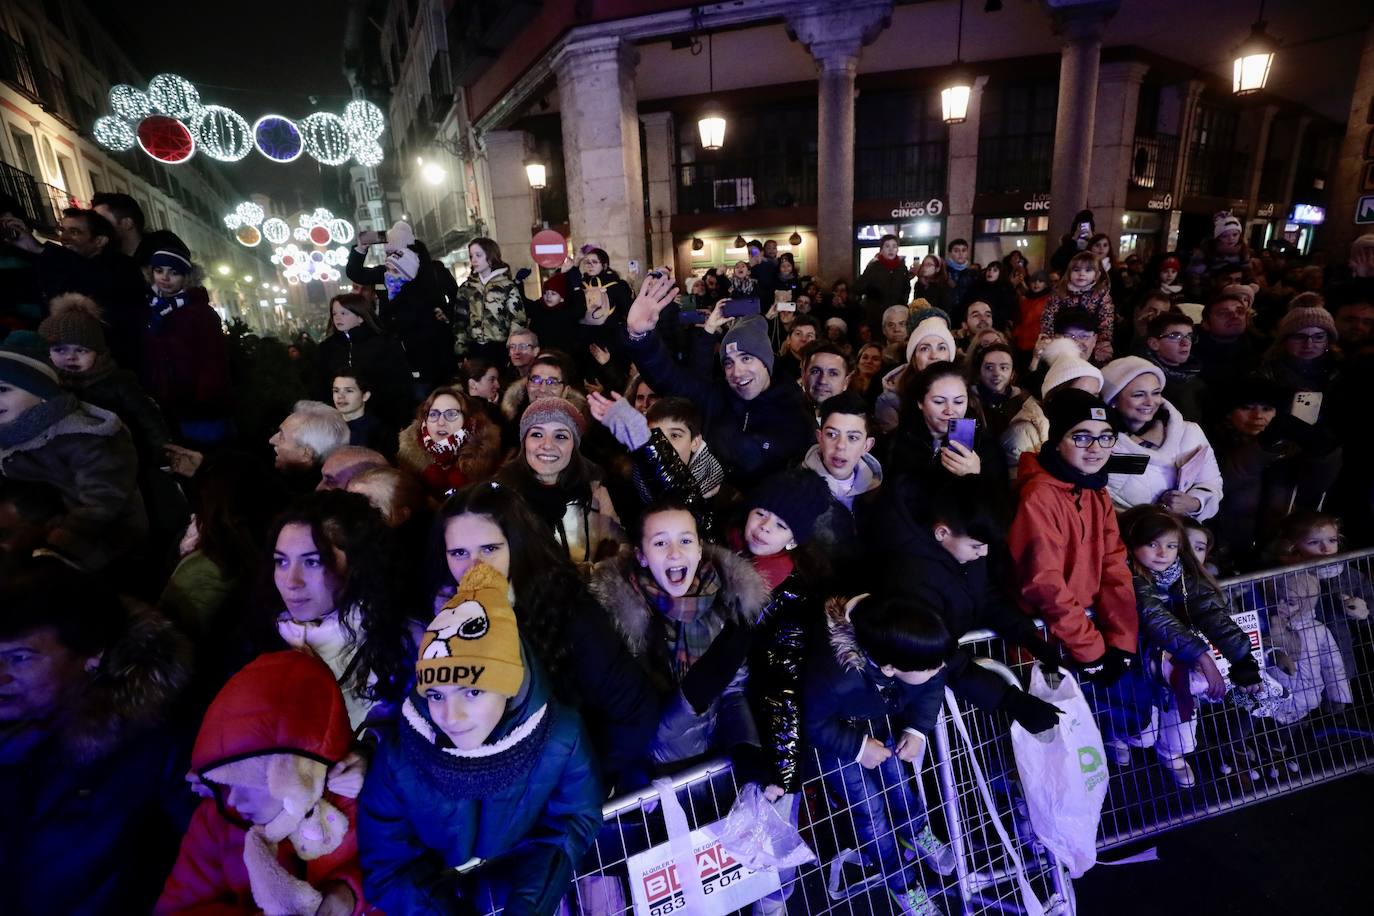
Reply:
x=1069, y=557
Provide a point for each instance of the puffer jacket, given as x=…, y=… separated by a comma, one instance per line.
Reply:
x=1184, y=443
x=96, y=803
x=752, y=439
x=529, y=798
x=1068, y=554
x=726, y=721
x=659, y=472
x=88, y=459
x=836, y=533
x=846, y=692
x=488, y=309
x=1171, y=622
x=280, y=703
x=588, y=529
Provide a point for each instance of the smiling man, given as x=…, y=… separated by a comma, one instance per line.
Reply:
x=826, y=374
x=755, y=426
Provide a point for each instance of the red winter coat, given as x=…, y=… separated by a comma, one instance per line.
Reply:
x=1069, y=557
x=280, y=702
x=186, y=361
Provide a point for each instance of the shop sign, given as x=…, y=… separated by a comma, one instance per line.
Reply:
x=906, y=208
x=1266, y=210
x=1039, y=203
x=1160, y=202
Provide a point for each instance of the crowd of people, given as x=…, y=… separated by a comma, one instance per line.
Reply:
x=519, y=554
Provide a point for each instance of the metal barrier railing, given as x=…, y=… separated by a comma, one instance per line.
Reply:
x=853, y=827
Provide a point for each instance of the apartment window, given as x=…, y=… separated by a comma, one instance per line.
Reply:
x=26, y=152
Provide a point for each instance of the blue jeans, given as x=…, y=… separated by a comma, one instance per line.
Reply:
x=882, y=803
x=1123, y=709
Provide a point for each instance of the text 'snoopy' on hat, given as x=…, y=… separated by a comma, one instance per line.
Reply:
x=474, y=641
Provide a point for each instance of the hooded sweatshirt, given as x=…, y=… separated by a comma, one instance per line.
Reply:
x=529, y=794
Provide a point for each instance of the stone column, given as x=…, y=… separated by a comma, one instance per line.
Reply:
x=835, y=35
x=1188, y=94
x=1340, y=228
x=1299, y=135
x=1109, y=177
x=1080, y=23
x=660, y=152
x=1264, y=124
x=596, y=95
x=513, y=211
x=963, y=168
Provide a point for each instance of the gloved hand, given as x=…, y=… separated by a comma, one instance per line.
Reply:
x=1107, y=669
x=521, y=274
x=1245, y=673
x=1031, y=713
x=713, y=672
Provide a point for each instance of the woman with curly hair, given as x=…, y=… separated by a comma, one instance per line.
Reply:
x=569, y=631
x=450, y=444
x=330, y=595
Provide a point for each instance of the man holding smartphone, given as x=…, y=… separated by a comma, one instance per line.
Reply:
x=760, y=427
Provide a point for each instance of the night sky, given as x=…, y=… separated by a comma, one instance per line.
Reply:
x=252, y=56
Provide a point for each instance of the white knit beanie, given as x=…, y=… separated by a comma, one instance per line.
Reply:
x=933, y=326
x=1118, y=373
x=1061, y=355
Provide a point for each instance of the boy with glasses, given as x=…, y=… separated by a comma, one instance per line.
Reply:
x=1066, y=545
x=1169, y=342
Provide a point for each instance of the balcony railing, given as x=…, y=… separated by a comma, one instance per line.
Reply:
x=42, y=203
x=16, y=67
x=913, y=170
x=1217, y=172
x=1154, y=161
x=728, y=185
x=1015, y=163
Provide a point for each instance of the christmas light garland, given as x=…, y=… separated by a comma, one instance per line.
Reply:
x=169, y=123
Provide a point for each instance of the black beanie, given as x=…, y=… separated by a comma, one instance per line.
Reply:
x=1068, y=407
x=798, y=497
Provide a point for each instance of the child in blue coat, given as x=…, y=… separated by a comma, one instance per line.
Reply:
x=484, y=764
x=873, y=693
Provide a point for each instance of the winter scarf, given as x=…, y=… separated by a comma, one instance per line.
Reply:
x=1165, y=580
x=890, y=263
x=37, y=418
x=443, y=452
x=480, y=773
x=159, y=307
x=687, y=637
x=394, y=284
x=79, y=381
x=774, y=569
x=551, y=502
x=1060, y=469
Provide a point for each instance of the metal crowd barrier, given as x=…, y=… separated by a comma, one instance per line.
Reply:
x=1239, y=760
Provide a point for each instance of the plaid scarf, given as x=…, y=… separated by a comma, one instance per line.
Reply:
x=688, y=627
x=442, y=451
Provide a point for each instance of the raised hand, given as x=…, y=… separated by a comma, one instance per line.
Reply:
x=653, y=297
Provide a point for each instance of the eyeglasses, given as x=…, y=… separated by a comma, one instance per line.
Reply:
x=545, y=381
x=1085, y=440
x=519, y=347
x=1179, y=335
x=1317, y=337
x=453, y=415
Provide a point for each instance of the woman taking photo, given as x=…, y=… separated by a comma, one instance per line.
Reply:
x=923, y=444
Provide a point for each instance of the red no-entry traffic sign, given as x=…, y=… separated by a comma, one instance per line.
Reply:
x=548, y=248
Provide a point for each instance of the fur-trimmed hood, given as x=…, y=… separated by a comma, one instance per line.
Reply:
x=478, y=456
x=743, y=594
x=140, y=676
x=841, y=633
x=513, y=402
x=85, y=420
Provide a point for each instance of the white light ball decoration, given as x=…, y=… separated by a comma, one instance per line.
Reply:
x=276, y=230
x=129, y=103
x=222, y=133
x=321, y=215
x=368, y=153
x=301, y=234
x=114, y=133
x=363, y=120
x=173, y=95
x=325, y=138
x=233, y=221
x=250, y=213
x=340, y=232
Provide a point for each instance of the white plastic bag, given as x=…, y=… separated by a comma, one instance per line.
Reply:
x=1064, y=774
x=755, y=833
